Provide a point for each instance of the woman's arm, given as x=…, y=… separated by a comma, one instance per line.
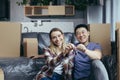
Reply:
x=52, y=60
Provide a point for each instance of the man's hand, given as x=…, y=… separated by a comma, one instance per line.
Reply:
x=81, y=47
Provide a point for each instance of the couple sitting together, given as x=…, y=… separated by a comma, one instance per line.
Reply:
x=67, y=61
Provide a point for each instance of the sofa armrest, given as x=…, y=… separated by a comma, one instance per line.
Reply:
x=38, y=56
x=1, y=74
x=21, y=68
x=110, y=63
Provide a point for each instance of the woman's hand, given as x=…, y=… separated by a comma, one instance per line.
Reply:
x=68, y=48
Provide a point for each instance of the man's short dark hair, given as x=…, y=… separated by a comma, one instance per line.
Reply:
x=80, y=26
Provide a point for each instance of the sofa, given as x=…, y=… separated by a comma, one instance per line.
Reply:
x=25, y=68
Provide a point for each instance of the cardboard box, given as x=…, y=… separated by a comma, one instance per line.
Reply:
x=117, y=25
x=118, y=45
x=10, y=36
x=30, y=47
x=100, y=33
x=118, y=71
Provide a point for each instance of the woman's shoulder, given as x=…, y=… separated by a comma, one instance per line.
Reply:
x=47, y=50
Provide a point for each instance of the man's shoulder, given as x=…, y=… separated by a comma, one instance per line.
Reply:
x=94, y=43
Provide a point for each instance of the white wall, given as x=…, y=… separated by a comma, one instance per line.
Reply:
x=17, y=12
x=108, y=11
x=17, y=15
x=112, y=15
x=94, y=14
x=46, y=26
x=118, y=10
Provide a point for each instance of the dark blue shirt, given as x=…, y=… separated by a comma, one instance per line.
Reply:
x=82, y=62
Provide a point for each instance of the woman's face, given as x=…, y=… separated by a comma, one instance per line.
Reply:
x=82, y=35
x=57, y=38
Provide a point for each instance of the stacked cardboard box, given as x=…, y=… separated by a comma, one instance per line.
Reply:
x=118, y=55
x=30, y=47
x=118, y=49
x=10, y=36
x=117, y=25
x=100, y=33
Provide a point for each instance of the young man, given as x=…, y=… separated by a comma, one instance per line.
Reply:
x=86, y=53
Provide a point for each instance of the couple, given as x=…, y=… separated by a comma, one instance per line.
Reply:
x=70, y=61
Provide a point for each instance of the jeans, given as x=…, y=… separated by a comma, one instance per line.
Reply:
x=55, y=76
x=99, y=70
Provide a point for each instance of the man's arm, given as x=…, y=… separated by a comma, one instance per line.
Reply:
x=93, y=54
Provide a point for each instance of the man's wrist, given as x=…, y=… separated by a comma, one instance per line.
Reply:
x=85, y=50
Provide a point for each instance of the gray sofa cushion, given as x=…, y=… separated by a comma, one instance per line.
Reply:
x=20, y=68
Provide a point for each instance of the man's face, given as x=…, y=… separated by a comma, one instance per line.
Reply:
x=82, y=35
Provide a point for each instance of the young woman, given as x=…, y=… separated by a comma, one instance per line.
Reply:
x=59, y=57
